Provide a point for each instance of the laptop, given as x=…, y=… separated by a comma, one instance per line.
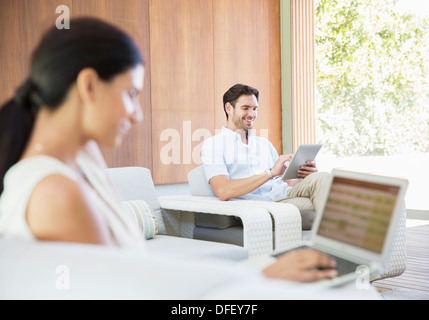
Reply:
x=356, y=223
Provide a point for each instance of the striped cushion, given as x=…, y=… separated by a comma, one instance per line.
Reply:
x=143, y=215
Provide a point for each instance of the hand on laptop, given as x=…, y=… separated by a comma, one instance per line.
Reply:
x=302, y=265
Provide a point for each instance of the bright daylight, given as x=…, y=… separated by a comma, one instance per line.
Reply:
x=373, y=89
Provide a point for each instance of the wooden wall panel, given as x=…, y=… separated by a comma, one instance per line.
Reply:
x=303, y=72
x=194, y=49
x=181, y=33
x=247, y=51
x=133, y=17
x=22, y=23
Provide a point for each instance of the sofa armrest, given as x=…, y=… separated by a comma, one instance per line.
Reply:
x=286, y=219
x=257, y=223
x=397, y=261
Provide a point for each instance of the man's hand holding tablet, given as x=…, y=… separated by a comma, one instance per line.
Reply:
x=302, y=163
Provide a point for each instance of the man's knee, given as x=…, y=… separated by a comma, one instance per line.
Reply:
x=322, y=177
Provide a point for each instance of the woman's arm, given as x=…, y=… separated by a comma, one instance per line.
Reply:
x=59, y=210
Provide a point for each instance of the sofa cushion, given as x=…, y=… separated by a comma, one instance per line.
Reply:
x=200, y=187
x=216, y=221
x=63, y=270
x=135, y=183
x=74, y=271
x=144, y=217
x=232, y=235
x=192, y=249
x=198, y=183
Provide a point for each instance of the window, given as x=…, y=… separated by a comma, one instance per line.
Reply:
x=372, y=89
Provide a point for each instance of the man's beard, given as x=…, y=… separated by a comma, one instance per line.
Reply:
x=240, y=124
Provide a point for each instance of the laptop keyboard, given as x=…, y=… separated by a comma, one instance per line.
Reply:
x=344, y=266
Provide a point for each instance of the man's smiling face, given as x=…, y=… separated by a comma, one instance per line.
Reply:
x=244, y=113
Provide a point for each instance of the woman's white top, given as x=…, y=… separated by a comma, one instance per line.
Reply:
x=22, y=178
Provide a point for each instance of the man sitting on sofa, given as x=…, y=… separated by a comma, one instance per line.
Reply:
x=238, y=164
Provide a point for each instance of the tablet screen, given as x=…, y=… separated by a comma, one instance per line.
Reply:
x=305, y=152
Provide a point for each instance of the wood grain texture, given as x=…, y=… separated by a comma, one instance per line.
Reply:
x=303, y=72
x=132, y=17
x=194, y=50
x=247, y=51
x=22, y=23
x=181, y=34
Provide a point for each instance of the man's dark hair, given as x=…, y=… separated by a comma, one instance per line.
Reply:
x=235, y=92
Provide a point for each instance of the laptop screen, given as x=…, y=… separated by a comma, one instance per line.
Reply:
x=358, y=213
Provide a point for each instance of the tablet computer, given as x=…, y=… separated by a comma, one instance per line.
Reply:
x=305, y=152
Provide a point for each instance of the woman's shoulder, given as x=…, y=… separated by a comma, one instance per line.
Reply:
x=59, y=186
x=38, y=166
x=48, y=177
x=43, y=175
x=29, y=171
x=59, y=210
x=55, y=191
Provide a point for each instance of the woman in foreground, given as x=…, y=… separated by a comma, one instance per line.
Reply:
x=83, y=91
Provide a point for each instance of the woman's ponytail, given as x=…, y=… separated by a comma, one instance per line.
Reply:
x=17, y=118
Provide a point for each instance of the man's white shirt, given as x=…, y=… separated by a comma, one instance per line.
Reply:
x=226, y=154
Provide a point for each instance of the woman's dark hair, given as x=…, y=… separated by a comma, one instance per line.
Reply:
x=235, y=92
x=55, y=65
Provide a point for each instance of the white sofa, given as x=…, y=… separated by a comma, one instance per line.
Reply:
x=135, y=183
x=66, y=271
x=174, y=267
x=176, y=219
